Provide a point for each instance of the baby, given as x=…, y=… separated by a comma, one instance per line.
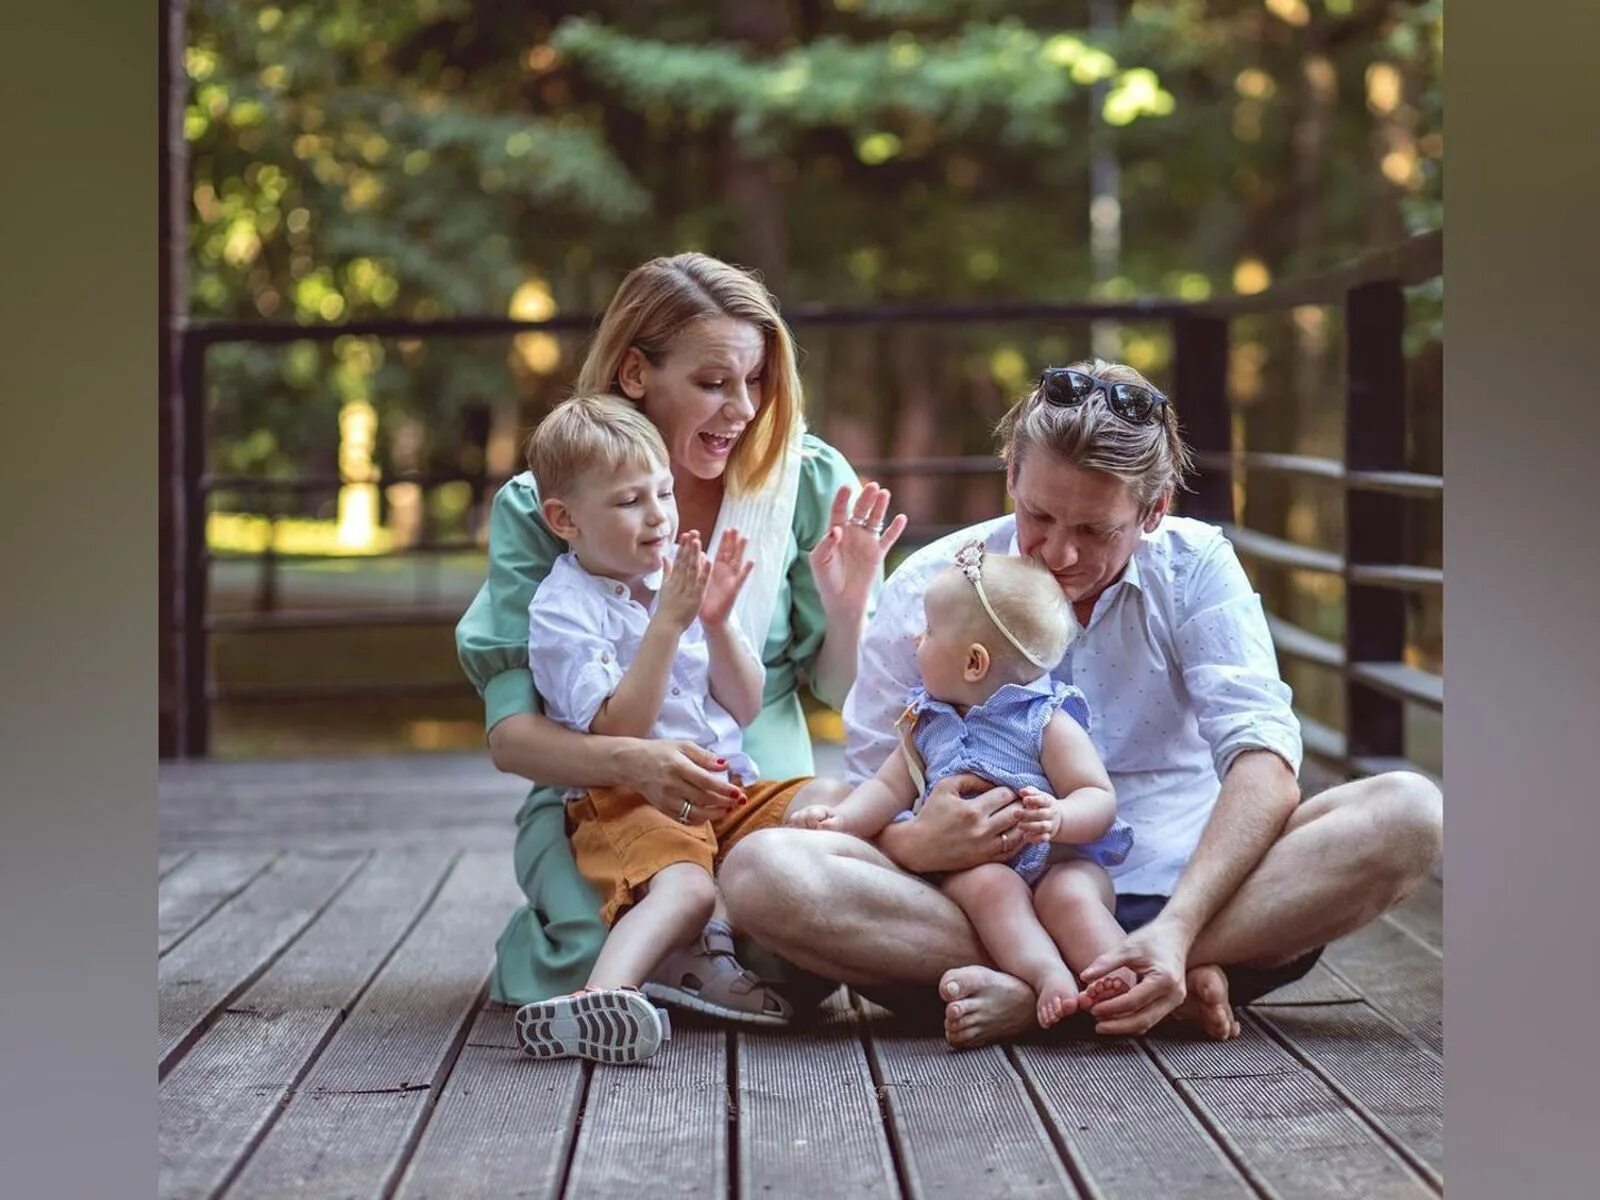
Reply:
x=995, y=627
x=627, y=640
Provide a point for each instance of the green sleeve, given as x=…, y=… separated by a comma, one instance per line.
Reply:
x=492, y=636
x=823, y=471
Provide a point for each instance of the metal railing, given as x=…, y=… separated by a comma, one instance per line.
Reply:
x=1376, y=485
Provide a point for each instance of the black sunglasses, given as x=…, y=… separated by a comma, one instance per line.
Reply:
x=1066, y=388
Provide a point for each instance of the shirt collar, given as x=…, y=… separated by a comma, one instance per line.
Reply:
x=602, y=585
x=1130, y=573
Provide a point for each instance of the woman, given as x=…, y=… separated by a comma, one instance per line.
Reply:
x=698, y=345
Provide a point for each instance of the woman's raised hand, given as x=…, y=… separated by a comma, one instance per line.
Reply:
x=729, y=570
x=846, y=561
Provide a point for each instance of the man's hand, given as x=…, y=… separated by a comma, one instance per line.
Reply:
x=964, y=822
x=1041, y=816
x=1158, y=954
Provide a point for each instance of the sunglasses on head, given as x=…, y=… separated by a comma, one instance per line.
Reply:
x=1133, y=402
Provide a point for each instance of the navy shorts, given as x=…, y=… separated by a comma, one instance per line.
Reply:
x=1245, y=984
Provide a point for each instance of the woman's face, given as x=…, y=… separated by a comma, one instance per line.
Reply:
x=703, y=394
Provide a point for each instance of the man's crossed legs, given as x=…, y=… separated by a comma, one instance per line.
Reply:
x=838, y=906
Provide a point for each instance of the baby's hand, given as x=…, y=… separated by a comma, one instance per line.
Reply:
x=1041, y=816
x=814, y=816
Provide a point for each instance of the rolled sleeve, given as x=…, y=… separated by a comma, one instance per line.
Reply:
x=1230, y=667
x=574, y=664
x=886, y=673
x=492, y=635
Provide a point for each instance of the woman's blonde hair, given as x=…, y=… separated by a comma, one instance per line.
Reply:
x=587, y=434
x=661, y=298
x=1151, y=459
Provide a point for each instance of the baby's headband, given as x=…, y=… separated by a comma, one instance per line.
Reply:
x=970, y=559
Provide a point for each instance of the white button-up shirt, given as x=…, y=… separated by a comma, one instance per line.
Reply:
x=1177, y=665
x=584, y=632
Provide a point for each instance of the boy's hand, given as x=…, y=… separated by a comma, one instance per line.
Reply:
x=1041, y=816
x=814, y=816
x=684, y=586
x=729, y=570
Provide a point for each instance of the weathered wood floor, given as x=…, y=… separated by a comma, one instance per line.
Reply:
x=326, y=931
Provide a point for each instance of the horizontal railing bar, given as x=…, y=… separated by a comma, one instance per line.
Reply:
x=303, y=692
x=1403, y=483
x=332, y=483
x=1321, y=741
x=1285, y=553
x=1401, y=681
x=1300, y=643
x=333, y=618
x=1374, y=765
x=1415, y=260
x=420, y=550
x=802, y=316
x=1396, y=576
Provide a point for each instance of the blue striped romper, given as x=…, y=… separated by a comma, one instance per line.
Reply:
x=999, y=740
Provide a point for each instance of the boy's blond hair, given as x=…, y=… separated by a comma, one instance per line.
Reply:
x=590, y=433
x=1027, y=598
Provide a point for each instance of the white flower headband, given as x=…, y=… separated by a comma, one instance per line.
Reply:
x=970, y=559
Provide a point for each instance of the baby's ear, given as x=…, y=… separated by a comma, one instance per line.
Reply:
x=977, y=665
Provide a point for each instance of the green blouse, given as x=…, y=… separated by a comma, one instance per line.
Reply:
x=550, y=943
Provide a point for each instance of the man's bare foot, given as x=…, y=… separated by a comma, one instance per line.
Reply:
x=1107, y=986
x=1058, y=997
x=1206, y=1005
x=983, y=1006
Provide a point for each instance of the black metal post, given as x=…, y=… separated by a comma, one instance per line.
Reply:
x=1375, y=440
x=173, y=303
x=1200, y=392
x=197, y=715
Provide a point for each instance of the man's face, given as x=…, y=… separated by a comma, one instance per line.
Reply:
x=1081, y=525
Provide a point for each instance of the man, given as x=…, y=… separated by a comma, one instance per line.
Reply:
x=1233, y=885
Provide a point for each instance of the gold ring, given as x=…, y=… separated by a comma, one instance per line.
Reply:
x=683, y=813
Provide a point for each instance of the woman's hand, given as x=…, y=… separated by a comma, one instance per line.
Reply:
x=728, y=573
x=667, y=773
x=845, y=562
x=685, y=585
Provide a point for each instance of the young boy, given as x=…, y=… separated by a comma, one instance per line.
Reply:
x=995, y=627
x=630, y=640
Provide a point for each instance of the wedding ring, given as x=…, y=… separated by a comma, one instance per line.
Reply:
x=683, y=813
x=1005, y=840
x=877, y=530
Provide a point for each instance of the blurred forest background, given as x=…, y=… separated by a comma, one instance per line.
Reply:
x=426, y=158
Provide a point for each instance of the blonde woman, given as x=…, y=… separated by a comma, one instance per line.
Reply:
x=698, y=346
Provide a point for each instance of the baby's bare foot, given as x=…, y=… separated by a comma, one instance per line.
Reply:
x=1206, y=1004
x=983, y=1006
x=1115, y=984
x=1058, y=997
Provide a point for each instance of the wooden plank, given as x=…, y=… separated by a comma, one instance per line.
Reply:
x=504, y=1123
x=169, y=862
x=350, y=1126
x=228, y=1088
x=1317, y=986
x=963, y=1121
x=1393, y=1082
x=1422, y=914
x=1124, y=1130
x=660, y=1128
x=201, y=886
x=1287, y=1129
x=808, y=1110
x=223, y=957
x=1398, y=975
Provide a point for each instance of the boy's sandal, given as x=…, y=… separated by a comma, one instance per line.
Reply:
x=705, y=977
x=607, y=1025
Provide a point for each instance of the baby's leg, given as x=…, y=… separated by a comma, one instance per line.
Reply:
x=998, y=903
x=677, y=903
x=1076, y=902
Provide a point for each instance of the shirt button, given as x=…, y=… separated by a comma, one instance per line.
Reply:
x=676, y=692
x=620, y=589
x=604, y=657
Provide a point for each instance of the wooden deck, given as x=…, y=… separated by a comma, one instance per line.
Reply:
x=326, y=931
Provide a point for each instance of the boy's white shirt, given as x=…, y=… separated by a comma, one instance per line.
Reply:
x=584, y=632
